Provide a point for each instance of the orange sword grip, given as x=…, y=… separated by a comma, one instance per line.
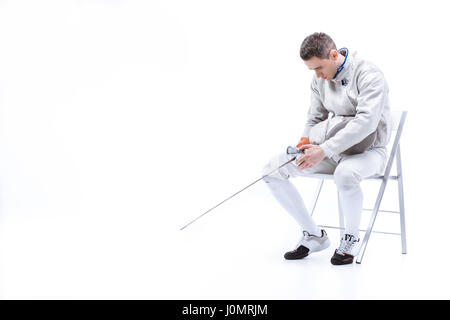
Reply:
x=303, y=141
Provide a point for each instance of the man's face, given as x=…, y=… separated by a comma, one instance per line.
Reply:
x=324, y=68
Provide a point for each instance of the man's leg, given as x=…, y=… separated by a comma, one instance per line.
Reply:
x=286, y=193
x=348, y=175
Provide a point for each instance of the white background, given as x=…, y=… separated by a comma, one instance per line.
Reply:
x=123, y=120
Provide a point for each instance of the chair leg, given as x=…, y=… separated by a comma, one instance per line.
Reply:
x=363, y=246
x=316, y=196
x=341, y=218
x=401, y=200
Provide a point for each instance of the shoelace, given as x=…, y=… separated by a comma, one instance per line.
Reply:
x=346, y=244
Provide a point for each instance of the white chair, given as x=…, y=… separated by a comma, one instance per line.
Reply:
x=398, y=120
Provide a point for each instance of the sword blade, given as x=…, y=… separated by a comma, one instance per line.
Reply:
x=237, y=193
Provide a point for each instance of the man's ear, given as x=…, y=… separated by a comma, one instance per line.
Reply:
x=334, y=54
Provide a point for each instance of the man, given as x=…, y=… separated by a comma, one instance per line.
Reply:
x=343, y=85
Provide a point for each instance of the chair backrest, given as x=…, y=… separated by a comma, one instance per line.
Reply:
x=398, y=120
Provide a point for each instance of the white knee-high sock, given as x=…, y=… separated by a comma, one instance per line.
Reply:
x=288, y=196
x=351, y=201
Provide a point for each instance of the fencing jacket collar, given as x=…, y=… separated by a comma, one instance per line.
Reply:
x=344, y=68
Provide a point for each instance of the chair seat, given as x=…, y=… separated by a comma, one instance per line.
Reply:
x=331, y=177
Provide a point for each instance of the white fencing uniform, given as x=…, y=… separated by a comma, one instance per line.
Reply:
x=348, y=173
x=358, y=90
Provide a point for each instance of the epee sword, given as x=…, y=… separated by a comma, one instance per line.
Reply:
x=290, y=150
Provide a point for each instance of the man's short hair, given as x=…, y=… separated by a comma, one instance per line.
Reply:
x=318, y=45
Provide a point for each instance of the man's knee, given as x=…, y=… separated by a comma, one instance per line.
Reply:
x=276, y=175
x=345, y=176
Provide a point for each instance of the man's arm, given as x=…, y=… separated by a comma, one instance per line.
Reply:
x=371, y=101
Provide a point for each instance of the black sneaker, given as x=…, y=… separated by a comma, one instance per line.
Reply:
x=343, y=255
x=308, y=244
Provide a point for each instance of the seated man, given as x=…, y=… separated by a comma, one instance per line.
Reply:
x=343, y=85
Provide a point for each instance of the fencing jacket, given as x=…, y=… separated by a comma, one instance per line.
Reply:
x=358, y=90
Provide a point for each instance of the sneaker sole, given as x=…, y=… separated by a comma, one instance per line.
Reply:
x=297, y=258
x=340, y=263
x=325, y=245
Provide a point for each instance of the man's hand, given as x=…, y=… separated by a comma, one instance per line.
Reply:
x=313, y=155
